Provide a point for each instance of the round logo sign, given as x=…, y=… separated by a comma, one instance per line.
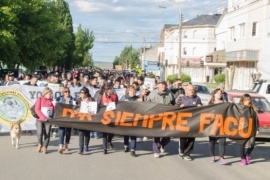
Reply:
x=14, y=107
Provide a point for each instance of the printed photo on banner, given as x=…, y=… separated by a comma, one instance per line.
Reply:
x=88, y=107
x=150, y=83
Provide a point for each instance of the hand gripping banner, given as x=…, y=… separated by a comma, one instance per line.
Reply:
x=158, y=120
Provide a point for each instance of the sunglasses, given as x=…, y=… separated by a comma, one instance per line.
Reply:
x=82, y=92
x=66, y=91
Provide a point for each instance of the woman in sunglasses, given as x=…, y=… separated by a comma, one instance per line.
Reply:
x=65, y=98
x=84, y=135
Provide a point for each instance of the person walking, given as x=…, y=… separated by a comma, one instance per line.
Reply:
x=190, y=99
x=245, y=154
x=44, y=109
x=84, y=135
x=64, y=133
x=217, y=98
x=131, y=96
x=161, y=95
x=104, y=96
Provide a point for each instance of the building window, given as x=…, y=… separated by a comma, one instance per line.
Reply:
x=242, y=30
x=184, y=34
x=185, y=51
x=254, y=28
x=231, y=33
x=194, y=51
x=194, y=33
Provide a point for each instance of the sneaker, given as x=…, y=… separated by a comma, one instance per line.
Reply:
x=243, y=162
x=181, y=155
x=111, y=145
x=156, y=155
x=212, y=159
x=85, y=149
x=162, y=149
x=248, y=159
x=188, y=158
x=221, y=161
x=126, y=148
x=105, y=151
x=132, y=153
x=54, y=135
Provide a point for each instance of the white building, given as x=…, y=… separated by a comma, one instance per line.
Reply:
x=198, y=40
x=243, y=34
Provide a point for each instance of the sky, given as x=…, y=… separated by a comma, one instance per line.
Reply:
x=137, y=23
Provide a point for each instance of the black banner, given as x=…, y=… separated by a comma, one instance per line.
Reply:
x=158, y=120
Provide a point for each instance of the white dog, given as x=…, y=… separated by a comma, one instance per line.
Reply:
x=15, y=133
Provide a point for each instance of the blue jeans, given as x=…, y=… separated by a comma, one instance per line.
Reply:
x=132, y=142
x=64, y=132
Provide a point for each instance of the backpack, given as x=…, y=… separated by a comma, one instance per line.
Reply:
x=33, y=112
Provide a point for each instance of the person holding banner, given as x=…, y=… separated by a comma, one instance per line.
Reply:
x=44, y=109
x=84, y=135
x=245, y=154
x=164, y=96
x=131, y=96
x=65, y=98
x=189, y=100
x=217, y=98
x=103, y=97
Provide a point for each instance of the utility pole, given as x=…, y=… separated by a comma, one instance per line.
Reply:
x=180, y=44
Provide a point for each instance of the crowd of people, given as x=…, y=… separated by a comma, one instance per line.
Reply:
x=175, y=94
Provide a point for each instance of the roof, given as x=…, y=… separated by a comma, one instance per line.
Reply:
x=203, y=20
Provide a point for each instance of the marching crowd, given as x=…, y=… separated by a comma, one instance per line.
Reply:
x=176, y=94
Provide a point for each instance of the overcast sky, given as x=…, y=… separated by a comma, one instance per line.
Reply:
x=120, y=23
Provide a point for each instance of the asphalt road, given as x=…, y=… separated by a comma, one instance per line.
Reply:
x=25, y=163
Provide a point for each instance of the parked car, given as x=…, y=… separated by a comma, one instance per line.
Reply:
x=203, y=92
x=263, y=107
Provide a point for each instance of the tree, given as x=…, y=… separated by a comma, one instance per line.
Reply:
x=8, y=20
x=83, y=43
x=129, y=58
x=116, y=61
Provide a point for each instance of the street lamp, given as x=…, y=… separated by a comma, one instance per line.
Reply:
x=180, y=38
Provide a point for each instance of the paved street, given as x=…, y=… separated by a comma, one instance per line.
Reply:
x=26, y=163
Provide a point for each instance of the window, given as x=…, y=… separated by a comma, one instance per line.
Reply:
x=231, y=33
x=254, y=28
x=185, y=51
x=194, y=33
x=242, y=30
x=184, y=34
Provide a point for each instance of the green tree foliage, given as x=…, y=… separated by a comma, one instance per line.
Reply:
x=129, y=58
x=83, y=43
x=184, y=78
x=116, y=61
x=8, y=21
x=220, y=78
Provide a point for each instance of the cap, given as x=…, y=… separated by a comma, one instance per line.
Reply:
x=162, y=82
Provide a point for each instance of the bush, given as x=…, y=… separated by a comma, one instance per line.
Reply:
x=219, y=78
x=184, y=78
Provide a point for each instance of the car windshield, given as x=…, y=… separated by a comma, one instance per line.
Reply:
x=261, y=103
x=202, y=89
